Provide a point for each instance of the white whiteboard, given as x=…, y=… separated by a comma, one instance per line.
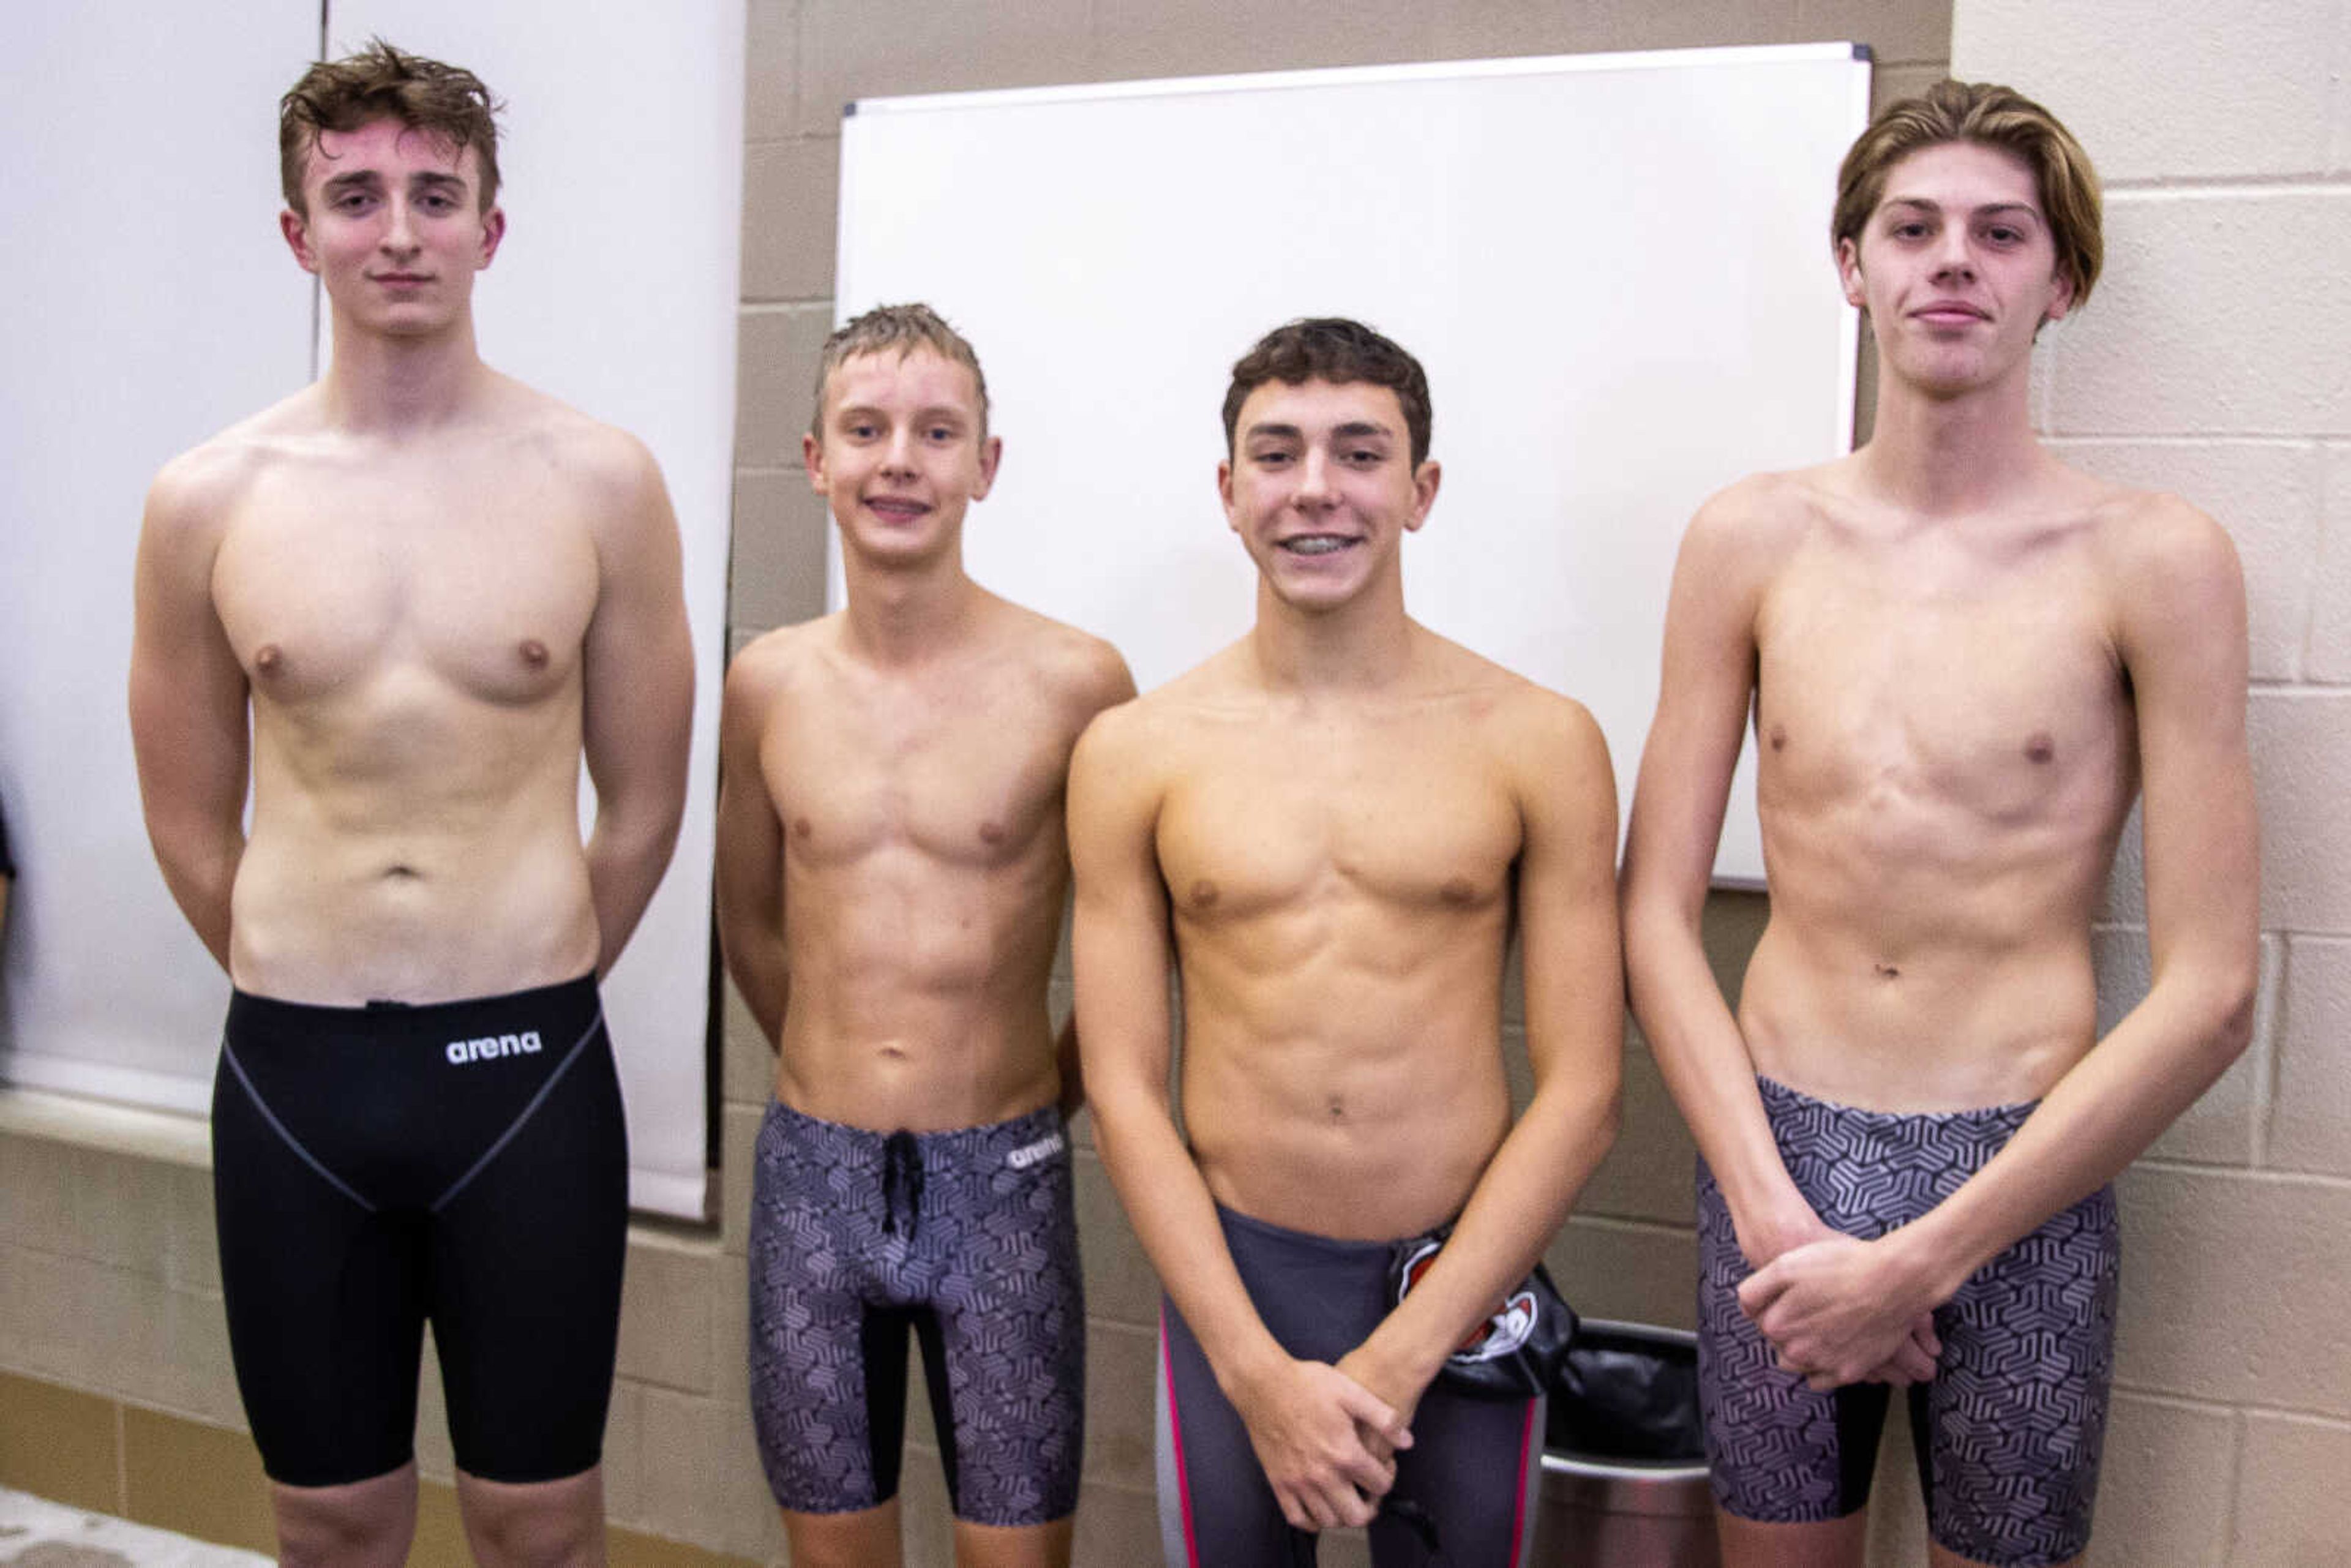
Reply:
x=1615, y=269
x=615, y=289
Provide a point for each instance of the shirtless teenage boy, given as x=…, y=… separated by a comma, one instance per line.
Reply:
x=430, y=589
x=891, y=872
x=1332, y=827
x=1964, y=659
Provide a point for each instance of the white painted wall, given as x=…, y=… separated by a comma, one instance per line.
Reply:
x=151, y=303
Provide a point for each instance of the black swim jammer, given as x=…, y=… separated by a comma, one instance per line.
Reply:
x=375, y=1167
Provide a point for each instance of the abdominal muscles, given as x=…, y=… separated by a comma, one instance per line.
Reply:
x=412, y=840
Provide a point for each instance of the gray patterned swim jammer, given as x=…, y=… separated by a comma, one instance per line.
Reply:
x=968, y=1239
x=2008, y=1435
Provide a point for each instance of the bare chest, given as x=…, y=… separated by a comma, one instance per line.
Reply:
x=1278, y=822
x=482, y=583
x=972, y=776
x=2004, y=702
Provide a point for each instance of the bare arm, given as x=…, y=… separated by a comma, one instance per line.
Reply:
x=639, y=699
x=188, y=698
x=1302, y=1416
x=1575, y=1040
x=2181, y=635
x=1706, y=685
x=1707, y=681
x=751, y=866
x=1106, y=684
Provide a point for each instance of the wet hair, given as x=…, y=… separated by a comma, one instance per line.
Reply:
x=1337, y=350
x=382, y=82
x=904, y=328
x=1987, y=115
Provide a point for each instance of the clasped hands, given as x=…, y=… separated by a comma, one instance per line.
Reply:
x=1837, y=1310
x=1326, y=1441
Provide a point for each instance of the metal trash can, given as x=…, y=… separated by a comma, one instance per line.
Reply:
x=1625, y=1476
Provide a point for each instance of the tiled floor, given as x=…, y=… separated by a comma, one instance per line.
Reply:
x=37, y=1534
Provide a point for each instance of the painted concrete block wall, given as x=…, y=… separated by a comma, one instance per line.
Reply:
x=2215, y=361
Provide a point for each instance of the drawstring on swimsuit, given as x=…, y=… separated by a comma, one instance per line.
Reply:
x=902, y=1184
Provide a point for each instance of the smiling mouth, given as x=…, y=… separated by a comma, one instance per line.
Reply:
x=1316, y=544
x=897, y=510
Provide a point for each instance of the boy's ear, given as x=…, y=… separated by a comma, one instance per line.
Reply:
x=297, y=230
x=991, y=452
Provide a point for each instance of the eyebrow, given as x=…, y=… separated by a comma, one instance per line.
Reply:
x=1354, y=429
x=368, y=178
x=945, y=412
x=1926, y=204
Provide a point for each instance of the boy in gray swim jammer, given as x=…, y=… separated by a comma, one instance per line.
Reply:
x=1333, y=828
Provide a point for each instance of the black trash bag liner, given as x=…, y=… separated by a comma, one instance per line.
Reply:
x=1624, y=1395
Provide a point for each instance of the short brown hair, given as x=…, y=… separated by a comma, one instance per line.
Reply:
x=1988, y=115
x=382, y=82
x=1337, y=350
x=904, y=328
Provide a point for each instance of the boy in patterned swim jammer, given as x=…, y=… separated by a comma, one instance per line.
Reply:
x=892, y=871
x=1964, y=659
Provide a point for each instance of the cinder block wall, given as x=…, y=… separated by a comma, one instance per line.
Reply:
x=2213, y=362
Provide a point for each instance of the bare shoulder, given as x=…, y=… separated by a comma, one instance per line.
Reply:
x=1752, y=525
x=1560, y=734
x=194, y=495
x=612, y=462
x=612, y=471
x=1146, y=738
x=2154, y=544
x=1546, y=738
x=780, y=665
x=1079, y=670
x=205, y=480
x=1122, y=739
x=1118, y=776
